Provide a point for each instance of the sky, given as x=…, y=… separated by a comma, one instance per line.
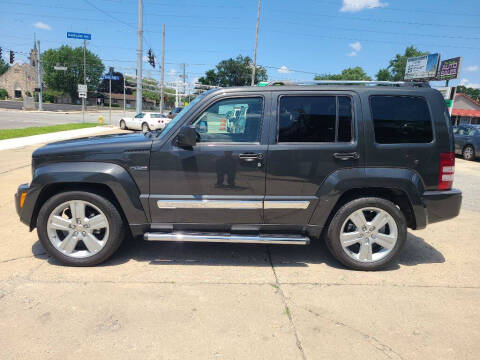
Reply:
x=297, y=39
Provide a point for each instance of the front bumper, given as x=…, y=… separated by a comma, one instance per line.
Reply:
x=442, y=205
x=24, y=212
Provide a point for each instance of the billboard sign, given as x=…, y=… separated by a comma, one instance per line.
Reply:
x=422, y=67
x=449, y=69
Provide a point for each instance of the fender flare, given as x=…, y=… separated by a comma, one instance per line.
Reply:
x=339, y=182
x=115, y=177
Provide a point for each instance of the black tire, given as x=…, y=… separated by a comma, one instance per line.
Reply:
x=123, y=126
x=145, y=127
x=334, y=229
x=117, y=228
x=468, y=153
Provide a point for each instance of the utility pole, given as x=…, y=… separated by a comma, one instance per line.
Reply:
x=123, y=95
x=184, y=78
x=84, y=77
x=139, y=56
x=256, y=43
x=39, y=78
x=162, y=105
x=110, y=100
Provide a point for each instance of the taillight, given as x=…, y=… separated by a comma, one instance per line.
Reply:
x=447, y=171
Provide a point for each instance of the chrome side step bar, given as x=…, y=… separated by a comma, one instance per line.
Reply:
x=228, y=238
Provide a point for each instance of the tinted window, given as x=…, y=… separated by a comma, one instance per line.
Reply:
x=401, y=119
x=231, y=120
x=314, y=119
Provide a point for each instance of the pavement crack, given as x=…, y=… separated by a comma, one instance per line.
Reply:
x=20, y=258
x=376, y=343
x=287, y=309
x=17, y=168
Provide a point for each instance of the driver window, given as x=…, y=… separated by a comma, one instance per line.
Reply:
x=231, y=120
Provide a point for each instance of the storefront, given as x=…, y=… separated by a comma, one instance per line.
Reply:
x=465, y=110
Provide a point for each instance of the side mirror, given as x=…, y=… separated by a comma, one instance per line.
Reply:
x=187, y=136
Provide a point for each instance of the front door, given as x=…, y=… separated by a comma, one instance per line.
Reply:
x=316, y=133
x=220, y=180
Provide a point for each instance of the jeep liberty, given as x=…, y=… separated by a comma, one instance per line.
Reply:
x=354, y=164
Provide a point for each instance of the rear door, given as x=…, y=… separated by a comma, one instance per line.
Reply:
x=406, y=129
x=315, y=133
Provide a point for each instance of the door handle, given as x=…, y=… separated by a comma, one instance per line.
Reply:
x=250, y=156
x=346, y=156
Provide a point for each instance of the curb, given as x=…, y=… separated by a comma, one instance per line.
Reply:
x=20, y=142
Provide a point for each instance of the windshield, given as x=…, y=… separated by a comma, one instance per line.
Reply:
x=180, y=115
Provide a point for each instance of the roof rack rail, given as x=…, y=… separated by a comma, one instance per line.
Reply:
x=351, y=82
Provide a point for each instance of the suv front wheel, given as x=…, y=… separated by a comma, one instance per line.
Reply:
x=80, y=228
x=367, y=233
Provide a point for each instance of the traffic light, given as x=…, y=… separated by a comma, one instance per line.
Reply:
x=151, y=58
x=0, y=52
x=12, y=57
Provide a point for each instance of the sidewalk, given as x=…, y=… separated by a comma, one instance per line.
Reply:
x=20, y=142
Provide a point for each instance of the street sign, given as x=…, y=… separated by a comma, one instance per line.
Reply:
x=81, y=36
x=61, y=68
x=449, y=69
x=110, y=77
x=422, y=67
x=82, y=95
x=82, y=88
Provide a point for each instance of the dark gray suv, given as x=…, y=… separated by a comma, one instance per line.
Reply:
x=354, y=164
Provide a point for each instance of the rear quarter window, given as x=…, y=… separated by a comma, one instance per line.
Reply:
x=401, y=119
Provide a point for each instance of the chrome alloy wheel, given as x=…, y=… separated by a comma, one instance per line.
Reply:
x=369, y=234
x=78, y=229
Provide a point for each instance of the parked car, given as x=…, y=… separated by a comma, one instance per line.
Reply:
x=174, y=112
x=467, y=141
x=356, y=165
x=145, y=121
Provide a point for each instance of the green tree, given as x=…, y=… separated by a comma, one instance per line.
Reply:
x=355, y=73
x=4, y=66
x=67, y=81
x=233, y=72
x=473, y=93
x=395, y=71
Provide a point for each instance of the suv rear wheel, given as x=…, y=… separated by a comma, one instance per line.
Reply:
x=468, y=153
x=367, y=233
x=79, y=228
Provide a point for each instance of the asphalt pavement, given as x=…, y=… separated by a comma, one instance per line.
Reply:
x=14, y=119
x=18, y=105
x=229, y=301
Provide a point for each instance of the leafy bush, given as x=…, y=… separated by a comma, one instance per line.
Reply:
x=3, y=94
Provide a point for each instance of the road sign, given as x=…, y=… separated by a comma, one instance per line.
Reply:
x=422, y=67
x=61, y=68
x=81, y=36
x=82, y=88
x=110, y=77
x=82, y=95
x=449, y=69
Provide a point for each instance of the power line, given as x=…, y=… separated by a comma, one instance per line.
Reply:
x=374, y=20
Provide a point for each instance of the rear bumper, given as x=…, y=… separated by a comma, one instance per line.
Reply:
x=442, y=205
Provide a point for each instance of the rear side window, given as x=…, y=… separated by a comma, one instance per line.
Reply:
x=401, y=119
x=308, y=119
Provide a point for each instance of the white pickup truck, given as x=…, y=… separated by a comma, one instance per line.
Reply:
x=144, y=121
